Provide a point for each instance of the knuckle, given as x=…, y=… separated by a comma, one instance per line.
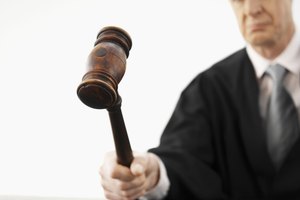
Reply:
x=126, y=195
x=113, y=174
x=106, y=194
x=122, y=186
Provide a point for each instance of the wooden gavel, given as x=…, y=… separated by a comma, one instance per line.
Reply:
x=99, y=86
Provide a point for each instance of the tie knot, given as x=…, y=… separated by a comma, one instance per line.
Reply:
x=277, y=72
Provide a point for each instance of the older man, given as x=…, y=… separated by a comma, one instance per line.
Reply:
x=234, y=132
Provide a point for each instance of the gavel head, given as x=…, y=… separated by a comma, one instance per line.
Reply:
x=106, y=67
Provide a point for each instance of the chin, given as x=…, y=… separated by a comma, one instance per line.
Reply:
x=260, y=39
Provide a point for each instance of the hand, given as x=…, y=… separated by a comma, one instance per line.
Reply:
x=122, y=183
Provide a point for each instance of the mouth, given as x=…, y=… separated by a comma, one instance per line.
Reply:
x=257, y=27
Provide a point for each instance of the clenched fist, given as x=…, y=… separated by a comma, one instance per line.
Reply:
x=122, y=183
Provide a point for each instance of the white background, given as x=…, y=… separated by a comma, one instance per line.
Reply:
x=51, y=144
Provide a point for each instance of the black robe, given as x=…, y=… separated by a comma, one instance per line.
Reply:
x=214, y=145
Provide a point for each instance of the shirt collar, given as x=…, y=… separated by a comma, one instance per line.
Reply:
x=289, y=58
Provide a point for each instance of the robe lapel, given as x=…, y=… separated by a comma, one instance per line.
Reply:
x=253, y=134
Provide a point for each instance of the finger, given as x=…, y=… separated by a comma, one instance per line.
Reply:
x=135, y=191
x=122, y=173
x=142, y=193
x=131, y=194
x=136, y=183
x=137, y=169
x=117, y=186
x=113, y=170
x=108, y=185
x=139, y=164
x=112, y=196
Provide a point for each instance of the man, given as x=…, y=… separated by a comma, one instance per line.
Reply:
x=220, y=142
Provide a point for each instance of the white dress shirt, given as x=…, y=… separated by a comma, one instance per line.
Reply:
x=290, y=59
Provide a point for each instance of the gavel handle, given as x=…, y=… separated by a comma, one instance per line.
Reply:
x=122, y=144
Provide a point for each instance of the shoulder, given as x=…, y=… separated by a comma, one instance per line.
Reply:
x=229, y=65
x=224, y=73
x=228, y=68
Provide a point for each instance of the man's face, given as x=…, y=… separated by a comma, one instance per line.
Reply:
x=264, y=22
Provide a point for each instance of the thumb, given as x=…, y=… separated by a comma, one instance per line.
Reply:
x=137, y=168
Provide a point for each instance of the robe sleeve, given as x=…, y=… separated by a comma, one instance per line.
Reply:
x=186, y=146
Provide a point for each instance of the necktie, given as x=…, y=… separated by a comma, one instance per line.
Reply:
x=282, y=123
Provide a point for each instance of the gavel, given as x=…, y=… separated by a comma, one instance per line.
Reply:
x=99, y=87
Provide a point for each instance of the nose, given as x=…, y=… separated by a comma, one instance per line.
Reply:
x=253, y=7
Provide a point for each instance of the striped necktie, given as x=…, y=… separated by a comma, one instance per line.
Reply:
x=282, y=123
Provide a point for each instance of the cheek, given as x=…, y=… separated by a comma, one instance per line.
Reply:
x=283, y=17
x=280, y=25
